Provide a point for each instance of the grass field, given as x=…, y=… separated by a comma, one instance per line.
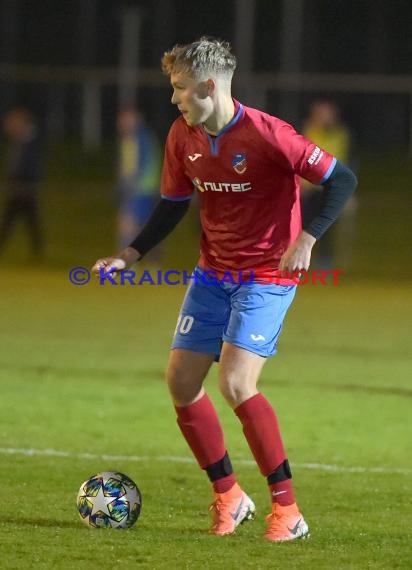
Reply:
x=81, y=373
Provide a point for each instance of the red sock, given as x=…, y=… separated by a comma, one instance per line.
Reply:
x=201, y=428
x=260, y=426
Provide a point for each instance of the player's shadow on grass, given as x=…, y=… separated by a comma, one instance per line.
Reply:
x=380, y=390
x=43, y=523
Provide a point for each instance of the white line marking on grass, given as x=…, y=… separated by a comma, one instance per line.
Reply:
x=181, y=459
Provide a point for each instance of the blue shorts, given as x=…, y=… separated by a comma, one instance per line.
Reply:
x=248, y=315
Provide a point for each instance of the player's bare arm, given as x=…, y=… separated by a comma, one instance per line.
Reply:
x=298, y=255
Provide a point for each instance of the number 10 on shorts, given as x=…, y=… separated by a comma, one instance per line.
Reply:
x=184, y=324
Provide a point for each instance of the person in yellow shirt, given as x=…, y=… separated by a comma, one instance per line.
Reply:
x=325, y=127
x=139, y=166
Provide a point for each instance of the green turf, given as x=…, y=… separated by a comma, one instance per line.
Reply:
x=81, y=372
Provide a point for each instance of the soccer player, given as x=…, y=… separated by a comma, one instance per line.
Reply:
x=245, y=166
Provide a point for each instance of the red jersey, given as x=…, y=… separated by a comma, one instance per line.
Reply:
x=248, y=181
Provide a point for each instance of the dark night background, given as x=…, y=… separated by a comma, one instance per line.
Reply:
x=340, y=36
x=64, y=60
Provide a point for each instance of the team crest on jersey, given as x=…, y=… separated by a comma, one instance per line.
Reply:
x=239, y=163
x=198, y=184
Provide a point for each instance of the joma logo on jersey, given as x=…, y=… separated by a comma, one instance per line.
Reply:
x=221, y=186
x=315, y=156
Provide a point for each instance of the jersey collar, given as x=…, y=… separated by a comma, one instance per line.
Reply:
x=238, y=113
x=214, y=140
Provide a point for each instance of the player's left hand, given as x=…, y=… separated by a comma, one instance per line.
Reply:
x=297, y=256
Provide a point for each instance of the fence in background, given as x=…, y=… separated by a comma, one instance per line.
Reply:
x=85, y=99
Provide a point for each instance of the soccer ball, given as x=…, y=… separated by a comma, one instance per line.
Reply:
x=109, y=499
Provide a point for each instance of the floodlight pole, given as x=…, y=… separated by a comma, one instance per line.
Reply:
x=244, y=36
x=91, y=112
x=291, y=46
x=129, y=54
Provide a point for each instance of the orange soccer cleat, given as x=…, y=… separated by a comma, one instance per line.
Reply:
x=231, y=509
x=285, y=523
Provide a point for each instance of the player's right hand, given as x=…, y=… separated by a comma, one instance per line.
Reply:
x=108, y=263
x=121, y=261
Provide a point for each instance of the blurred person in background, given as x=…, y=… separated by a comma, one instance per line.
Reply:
x=324, y=127
x=139, y=166
x=23, y=171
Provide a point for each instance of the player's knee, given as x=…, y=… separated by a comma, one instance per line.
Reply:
x=181, y=387
x=235, y=390
x=172, y=379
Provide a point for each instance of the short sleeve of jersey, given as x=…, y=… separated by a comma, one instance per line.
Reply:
x=303, y=156
x=175, y=185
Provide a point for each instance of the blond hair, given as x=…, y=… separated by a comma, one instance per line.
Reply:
x=200, y=58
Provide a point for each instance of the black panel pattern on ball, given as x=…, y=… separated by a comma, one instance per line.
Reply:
x=100, y=520
x=114, y=488
x=135, y=512
x=85, y=506
x=92, y=486
x=119, y=509
x=126, y=480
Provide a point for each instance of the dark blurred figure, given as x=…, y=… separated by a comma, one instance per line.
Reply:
x=325, y=127
x=22, y=177
x=138, y=173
